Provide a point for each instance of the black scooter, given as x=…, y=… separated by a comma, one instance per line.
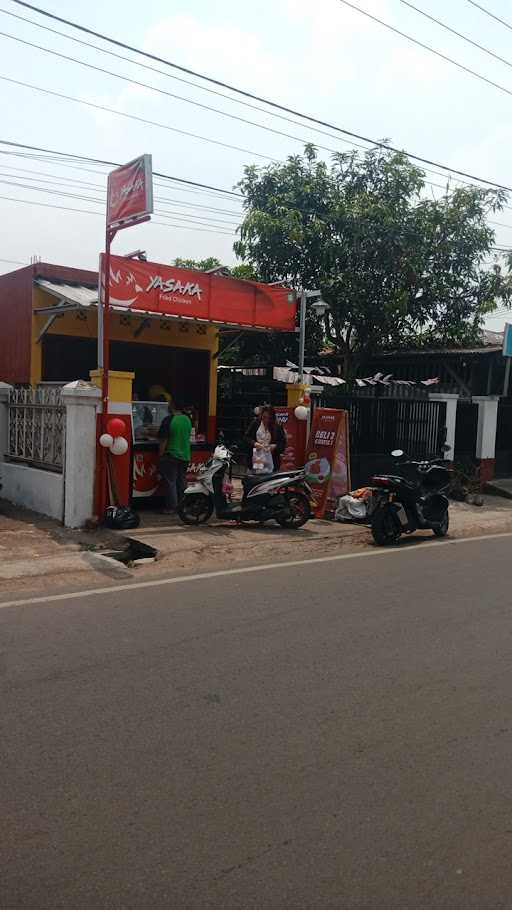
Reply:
x=284, y=497
x=411, y=503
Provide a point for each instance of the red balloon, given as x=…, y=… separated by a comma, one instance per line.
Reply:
x=116, y=427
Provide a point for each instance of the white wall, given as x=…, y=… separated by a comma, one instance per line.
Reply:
x=41, y=491
x=81, y=400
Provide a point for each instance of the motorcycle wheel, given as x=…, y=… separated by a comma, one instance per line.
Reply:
x=442, y=528
x=384, y=527
x=195, y=509
x=300, y=511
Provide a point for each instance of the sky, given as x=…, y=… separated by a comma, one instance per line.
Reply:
x=320, y=58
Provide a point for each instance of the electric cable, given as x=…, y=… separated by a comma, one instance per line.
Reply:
x=454, y=31
x=273, y=104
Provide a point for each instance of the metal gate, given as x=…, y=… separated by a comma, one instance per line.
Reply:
x=239, y=391
x=379, y=425
x=466, y=428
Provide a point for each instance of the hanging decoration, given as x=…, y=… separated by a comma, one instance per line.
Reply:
x=291, y=376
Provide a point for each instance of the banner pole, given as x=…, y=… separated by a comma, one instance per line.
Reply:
x=105, y=366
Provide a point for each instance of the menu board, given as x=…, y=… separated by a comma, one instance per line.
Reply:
x=327, y=459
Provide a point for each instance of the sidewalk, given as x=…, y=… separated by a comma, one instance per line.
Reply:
x=37, y=553
x=35, y=550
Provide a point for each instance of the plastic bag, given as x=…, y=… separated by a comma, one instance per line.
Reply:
x=350, y=508
x=262, y=461
x=121, y=518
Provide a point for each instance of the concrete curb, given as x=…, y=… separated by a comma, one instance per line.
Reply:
x=222, y=544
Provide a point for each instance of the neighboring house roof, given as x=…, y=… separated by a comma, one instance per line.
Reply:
x=492, y=342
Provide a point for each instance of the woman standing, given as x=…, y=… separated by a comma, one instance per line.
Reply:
x=266, y=435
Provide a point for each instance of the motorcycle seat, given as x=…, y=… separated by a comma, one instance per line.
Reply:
x=384, y=480
x=253, y=480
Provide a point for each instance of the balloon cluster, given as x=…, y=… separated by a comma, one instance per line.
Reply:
x=113, y=439
x=303, y=408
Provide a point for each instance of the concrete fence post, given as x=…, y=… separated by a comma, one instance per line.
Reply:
x=486, y=435
x=81, y=400
x=5, y=390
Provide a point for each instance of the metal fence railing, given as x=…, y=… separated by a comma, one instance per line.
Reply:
x=36, y=427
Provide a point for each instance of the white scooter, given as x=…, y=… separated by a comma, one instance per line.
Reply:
x=284, y=497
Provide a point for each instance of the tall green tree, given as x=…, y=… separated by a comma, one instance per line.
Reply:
x=397, y=267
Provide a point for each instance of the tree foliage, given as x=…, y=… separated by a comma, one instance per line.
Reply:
x=243, y=270
x=202, y=265
x=398, y=267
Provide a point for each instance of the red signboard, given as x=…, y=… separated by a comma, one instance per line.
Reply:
x=146, y=477
x=295, y=430
x=155, y=288
x=327, y=459
x=130, y=193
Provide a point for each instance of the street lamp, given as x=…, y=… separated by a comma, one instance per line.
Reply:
x=320, y=307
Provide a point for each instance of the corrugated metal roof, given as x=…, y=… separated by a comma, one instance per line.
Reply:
x=435, y=352
x=79, y=293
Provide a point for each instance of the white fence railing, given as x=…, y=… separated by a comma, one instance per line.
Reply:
x=36, y=427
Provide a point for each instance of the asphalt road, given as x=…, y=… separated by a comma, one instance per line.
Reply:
x=333, y=735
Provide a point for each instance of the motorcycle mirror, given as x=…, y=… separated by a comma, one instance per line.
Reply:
x=397, y=453
x=446, y=448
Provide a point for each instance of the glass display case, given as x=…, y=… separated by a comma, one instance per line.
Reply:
x=147, y=417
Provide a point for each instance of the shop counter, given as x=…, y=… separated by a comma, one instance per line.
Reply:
x=146, y=478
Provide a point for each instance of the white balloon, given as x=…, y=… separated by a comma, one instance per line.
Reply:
x=106, y=440
x=119, y=446
x=301, y=412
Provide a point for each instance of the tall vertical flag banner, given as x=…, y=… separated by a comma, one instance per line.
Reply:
x=129, y=202
x=328, y=459
x=295, y=432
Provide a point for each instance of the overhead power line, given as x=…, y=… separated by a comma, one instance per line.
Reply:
x=421, y=44
x=168, y=75
x=111, y=110
x=73, y=157
x=173, y=95
x=55, y=181
x=13, y=262
x=206, y=88
x=87, y=184
x=52, y=191
x=44, y=177
x=492, y=15
x=454, y=31
x=273, y=104
x=211, y=195
x=64, y=157
x=64, y=208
